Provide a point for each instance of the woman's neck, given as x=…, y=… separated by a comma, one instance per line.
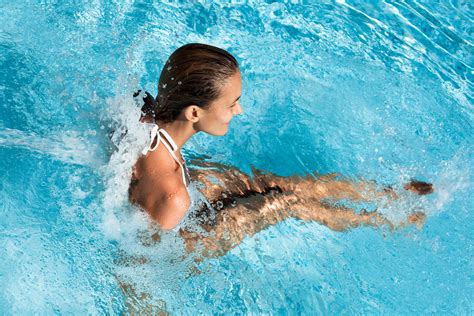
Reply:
x=179, y=130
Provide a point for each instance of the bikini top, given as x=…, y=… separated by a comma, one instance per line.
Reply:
x=171, y=146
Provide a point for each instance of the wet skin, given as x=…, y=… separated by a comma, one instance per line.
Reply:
x=242, y=205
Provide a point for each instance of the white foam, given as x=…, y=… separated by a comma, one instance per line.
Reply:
x=68, y=146
x=121, y=220
x=129, y=137
x=454, y=178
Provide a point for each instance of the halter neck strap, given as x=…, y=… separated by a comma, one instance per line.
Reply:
x=170, y=145
x=168, y=138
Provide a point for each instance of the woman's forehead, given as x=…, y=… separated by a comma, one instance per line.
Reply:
x=232, y=87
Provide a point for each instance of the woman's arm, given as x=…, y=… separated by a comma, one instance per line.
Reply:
x=250, y=204
x=218, y=178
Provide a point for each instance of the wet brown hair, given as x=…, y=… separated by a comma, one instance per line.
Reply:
x=193, y=74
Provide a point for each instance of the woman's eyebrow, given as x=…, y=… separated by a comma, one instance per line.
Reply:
x=237, y=99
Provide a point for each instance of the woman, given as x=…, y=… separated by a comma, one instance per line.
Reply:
x=199, y=90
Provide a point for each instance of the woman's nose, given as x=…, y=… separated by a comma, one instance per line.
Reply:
x=238, y=109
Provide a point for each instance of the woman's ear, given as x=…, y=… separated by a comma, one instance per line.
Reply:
x=192, y=113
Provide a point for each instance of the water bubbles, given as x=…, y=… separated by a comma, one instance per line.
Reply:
x=172, y=78
x=164, y=85
x=179, y=82
x=168, y=68
x=226, y=236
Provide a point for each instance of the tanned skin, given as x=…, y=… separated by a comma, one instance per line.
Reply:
x=241, y=205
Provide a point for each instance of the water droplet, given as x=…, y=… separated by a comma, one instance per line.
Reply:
x=179, y=82
x=164, y=85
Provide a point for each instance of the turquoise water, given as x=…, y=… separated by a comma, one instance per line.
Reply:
x=379, y=90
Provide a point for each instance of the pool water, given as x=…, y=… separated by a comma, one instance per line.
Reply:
x=379, y=90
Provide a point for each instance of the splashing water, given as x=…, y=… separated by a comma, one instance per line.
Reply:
x=380, y=91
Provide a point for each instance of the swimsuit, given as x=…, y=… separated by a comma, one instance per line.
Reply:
x=157, y=132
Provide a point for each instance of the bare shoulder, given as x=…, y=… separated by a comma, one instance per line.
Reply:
x=157, y=179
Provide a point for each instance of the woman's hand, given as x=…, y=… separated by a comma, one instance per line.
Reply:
x=419, y=187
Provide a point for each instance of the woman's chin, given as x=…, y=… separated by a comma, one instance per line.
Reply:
x=220, y=132
x=226, y=129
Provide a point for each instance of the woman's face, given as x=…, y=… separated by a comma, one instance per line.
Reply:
x=216, y=118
